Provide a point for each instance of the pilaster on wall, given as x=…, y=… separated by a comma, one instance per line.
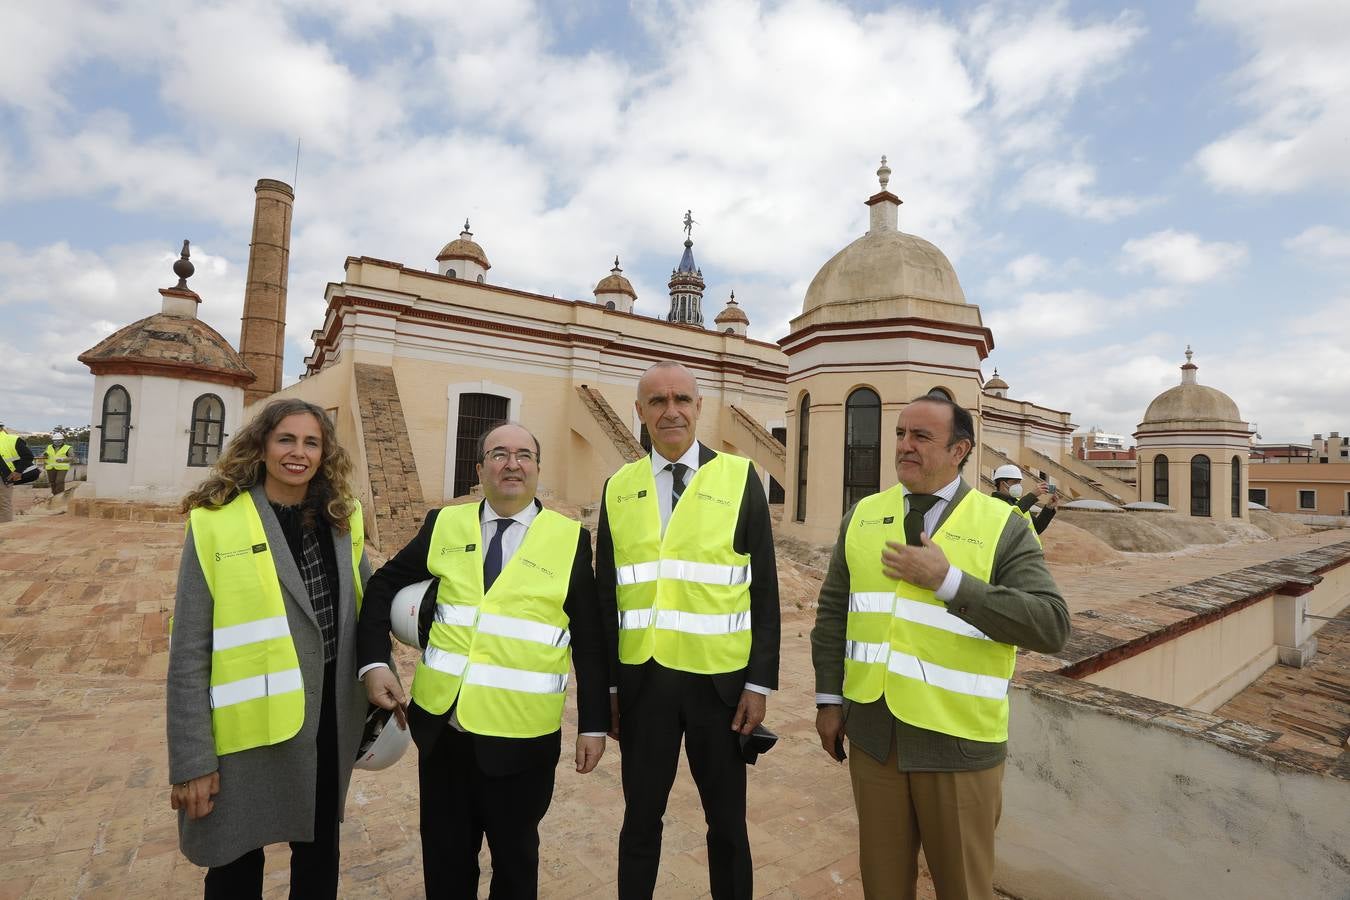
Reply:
x=396, y=489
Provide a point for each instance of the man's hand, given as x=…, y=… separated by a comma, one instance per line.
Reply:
x=830, y=727
x=195, y=795
x=589, y=751
x=614, y=716
x=1054, y=495
x=923, y=566
x=749, y=712
x=383, y=689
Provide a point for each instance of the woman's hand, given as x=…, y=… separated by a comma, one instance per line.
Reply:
x=195, y=795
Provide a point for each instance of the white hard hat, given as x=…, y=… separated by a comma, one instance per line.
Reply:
x=1008, y=473
x=411, y=612
x=383, y=743
x=57, y=436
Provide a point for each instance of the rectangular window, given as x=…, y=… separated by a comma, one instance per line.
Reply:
x=1307, y=499
x=1257, y=495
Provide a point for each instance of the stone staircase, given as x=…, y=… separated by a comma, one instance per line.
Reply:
x=743, y=430
x=1089, y=485
x=396, y=503
x=603, y=427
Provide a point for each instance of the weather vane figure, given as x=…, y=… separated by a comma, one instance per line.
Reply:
x=689, y=223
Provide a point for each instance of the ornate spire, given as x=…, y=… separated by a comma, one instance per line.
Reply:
x=884, y=173
x=183, y=268
x=1188, y=369
x=686, y=282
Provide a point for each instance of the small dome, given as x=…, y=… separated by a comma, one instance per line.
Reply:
x=464, y=247
x=615, y=283
x=996, y=383
x=172, y=346
x=732, y=313
x=1192, y=403
x=882, y=265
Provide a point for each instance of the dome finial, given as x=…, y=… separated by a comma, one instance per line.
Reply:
x=1189, y=353
x=616, y=268
x=183, y=268
x=884, y=173
x=466, y=227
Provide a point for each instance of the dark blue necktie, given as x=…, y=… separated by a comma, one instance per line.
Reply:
x=677, y=472
x=492, y=562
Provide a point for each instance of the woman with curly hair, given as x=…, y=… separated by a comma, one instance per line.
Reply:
x=264, y=708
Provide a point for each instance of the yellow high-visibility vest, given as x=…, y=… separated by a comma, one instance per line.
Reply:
x=937, y=671
x=502, y=657
x=684, y=598
x=257, y=693
x=9, y=449
x=58, y=460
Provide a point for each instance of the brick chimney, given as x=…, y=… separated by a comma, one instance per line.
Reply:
x=262, y=335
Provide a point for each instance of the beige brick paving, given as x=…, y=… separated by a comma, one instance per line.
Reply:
x=83, y=794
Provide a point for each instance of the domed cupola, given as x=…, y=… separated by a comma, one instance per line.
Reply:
x=615, y=291
x=732, y=319
x=996, y=386
x=463, y=258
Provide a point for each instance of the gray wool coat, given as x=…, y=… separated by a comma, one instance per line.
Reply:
x=267, y=793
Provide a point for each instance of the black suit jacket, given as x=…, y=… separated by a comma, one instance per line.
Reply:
x=754, y=536
x=496, y=755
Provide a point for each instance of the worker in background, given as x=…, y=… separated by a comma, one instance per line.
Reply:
x=1008, y=488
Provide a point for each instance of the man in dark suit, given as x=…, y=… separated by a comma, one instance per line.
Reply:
x=685, y=567
x=487, y=698
x=931, y=589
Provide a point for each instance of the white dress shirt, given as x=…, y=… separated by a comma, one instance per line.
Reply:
x=947, y=590
x=665, y=480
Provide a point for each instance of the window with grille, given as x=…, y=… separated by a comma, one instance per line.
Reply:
x=1199, y=485
x=1160, y=485
x=208, y=430
x=115, y=427
x=477, y=413
x=803, y=432
x=862, y=445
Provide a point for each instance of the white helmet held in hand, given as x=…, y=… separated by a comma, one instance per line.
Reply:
x=1007, y=473
x=411, y=612
x=383, y=743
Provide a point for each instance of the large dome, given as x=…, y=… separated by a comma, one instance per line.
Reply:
x=882, y=265
x=1191, y=403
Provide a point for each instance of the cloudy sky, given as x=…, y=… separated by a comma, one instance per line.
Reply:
x=1111, y=182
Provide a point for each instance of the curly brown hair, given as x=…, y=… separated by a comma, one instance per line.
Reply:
x=241, y=466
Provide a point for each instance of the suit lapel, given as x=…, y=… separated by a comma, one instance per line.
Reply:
x=705, y=454
x=288, y=570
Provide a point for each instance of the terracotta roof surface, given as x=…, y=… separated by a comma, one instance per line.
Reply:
x=462, y=248
x=167, y=344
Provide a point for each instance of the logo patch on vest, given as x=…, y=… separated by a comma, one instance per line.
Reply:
x=888, y=520
x=624, y=498
x=467, y=548
x=260, y=548
x=963, y=539
x=231, y=554
x=720, y=501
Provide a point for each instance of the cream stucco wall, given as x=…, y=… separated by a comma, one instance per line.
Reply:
x=1099, y=806
x=1179, y=476
x=1282, y=482
x=156, y=470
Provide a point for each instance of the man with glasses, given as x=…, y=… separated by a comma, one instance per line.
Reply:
x=685, y=565
x=515, y=599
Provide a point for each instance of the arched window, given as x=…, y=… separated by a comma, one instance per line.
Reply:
x=803, y=432
x=450, y=273
x=1160, y=486
x=480, y=279
x=862, y=445
x=941, y=392
x=609, y=304
x=115, y=428
x=1200, y=485
x=477, y=412
x=1237, y=488
x=208, y=430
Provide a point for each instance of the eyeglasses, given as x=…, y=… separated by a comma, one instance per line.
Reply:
x=500, y=456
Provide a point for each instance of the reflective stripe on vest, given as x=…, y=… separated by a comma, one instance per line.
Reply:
x=936, y=670
x=684, y=598
x=502, y=658
x=58, y=460
x=257, y=690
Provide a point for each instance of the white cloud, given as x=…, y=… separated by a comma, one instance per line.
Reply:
x=1321, y=241
x=1070, y=188
x=1182, y=257
x=1028, y=267
x=1297, y=85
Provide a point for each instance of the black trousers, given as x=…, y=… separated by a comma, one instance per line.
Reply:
x=314, y=864
x=674, y=704
x=460, y=804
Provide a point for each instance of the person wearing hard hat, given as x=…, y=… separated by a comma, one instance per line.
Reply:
x=1008, y=488
x=57, y=462
x=16, y=467
x=265, y=713
x=514, y=604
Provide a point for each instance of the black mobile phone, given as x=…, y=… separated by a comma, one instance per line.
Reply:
x=839, y=753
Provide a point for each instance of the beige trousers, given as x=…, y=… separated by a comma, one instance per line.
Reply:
x=952, y=815
x=6, y=502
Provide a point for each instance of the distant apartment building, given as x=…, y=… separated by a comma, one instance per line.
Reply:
x=1303, y=478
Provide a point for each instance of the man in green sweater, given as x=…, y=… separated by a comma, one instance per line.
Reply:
x=931, y=589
